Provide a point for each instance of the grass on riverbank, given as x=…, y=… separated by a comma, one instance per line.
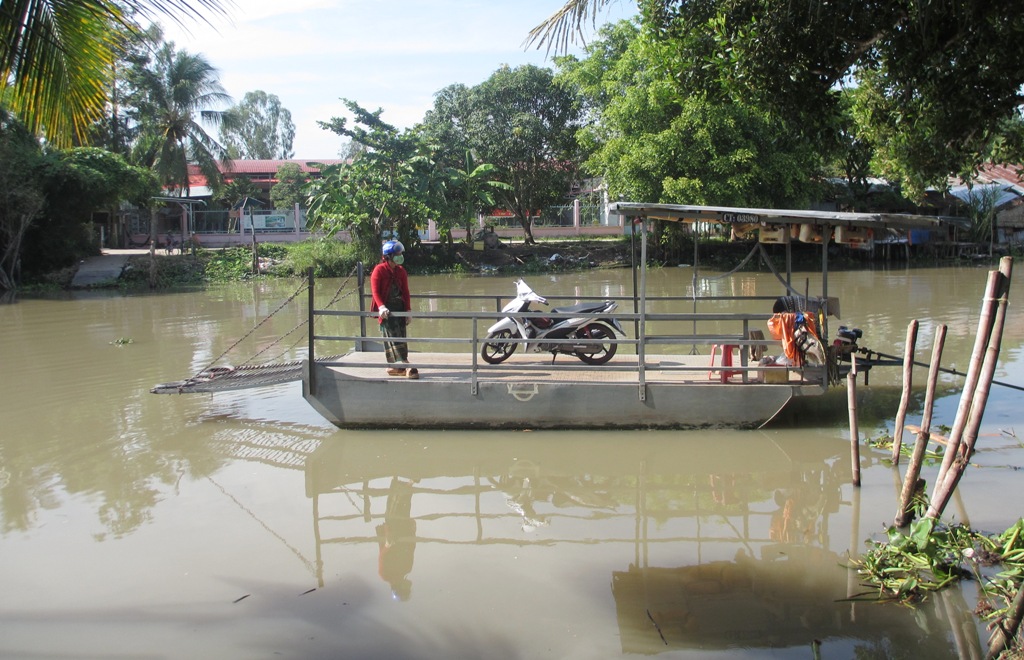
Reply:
x=330, y=258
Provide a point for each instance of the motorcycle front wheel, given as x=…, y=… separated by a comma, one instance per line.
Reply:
x=495, y=350
x=603, y=349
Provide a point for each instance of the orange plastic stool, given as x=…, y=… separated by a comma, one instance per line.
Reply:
x=725, y=374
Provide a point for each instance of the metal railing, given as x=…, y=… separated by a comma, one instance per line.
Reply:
x=738, y=336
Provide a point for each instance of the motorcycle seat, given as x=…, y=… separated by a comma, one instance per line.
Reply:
x=581, y=308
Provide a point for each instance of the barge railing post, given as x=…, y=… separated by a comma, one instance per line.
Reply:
x=361, y=283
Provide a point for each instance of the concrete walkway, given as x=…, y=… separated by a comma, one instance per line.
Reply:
x=102, y=270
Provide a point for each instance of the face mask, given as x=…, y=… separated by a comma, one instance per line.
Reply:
x=399, y=259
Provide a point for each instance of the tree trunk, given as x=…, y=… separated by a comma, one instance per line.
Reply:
x=527, y=230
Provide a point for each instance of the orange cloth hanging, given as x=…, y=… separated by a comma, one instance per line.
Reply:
x=782, y=327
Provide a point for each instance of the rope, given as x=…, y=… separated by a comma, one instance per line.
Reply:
x=740, y=265
x=768, y=262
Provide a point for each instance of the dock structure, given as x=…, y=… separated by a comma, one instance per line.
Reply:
x=656, y=379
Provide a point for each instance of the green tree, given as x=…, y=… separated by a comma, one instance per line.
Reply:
x=258, y=128
x=288, y=191
x=392, y=187
x=235, y=190
x=56, y=57
x=470, y=190
x=524, y=124
x=21, y=197
x=940, y=78
x=78, y=183
x=175, y=93
x=652, y=139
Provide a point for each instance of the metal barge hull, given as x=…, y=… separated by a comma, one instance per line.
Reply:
x=356, y=395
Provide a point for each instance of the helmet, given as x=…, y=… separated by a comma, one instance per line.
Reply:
x=391, y=248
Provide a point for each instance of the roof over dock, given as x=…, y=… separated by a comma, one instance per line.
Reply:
x=726, y=215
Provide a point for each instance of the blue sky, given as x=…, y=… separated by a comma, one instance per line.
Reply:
x=393, y=55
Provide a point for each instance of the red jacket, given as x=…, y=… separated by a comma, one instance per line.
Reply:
x=384, y=274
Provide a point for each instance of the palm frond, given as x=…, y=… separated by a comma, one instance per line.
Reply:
x=562, y=28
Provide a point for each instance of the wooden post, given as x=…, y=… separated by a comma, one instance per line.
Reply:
x=970, y=380
x=1005, y=631
x=948, y=481
x=908, y=378
x=851, y=399
x=910, y=483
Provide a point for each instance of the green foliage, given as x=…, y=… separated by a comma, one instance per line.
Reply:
x=520, y=121
x=173, y=92
x=258, y=128
x=907, y=567
x=327, y=257
x=21, y=195
x=78, y=183
x=469, y=191
x=288, y=191
x=236, y=190
x=938, y=78
x=658, y=138
x=390, y=189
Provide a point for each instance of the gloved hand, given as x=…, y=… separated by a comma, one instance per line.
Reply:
x=383, y=312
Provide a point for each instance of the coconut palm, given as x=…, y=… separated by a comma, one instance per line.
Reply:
x=562, y=27
x=56, y=56
x=175, y=94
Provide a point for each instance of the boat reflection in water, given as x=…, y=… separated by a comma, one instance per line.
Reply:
x=724, y=544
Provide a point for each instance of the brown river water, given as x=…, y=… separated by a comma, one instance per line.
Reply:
x=242, y=525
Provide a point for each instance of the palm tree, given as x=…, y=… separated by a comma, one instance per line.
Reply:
x=175, y=93
x=562, y=27
x=56, y=57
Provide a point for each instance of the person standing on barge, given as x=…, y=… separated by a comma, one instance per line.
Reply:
x=389, y=284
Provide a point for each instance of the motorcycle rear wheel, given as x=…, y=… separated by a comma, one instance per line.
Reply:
x=493, y=351
x=600, y=333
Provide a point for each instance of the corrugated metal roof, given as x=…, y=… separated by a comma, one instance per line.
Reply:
x=1000, y=193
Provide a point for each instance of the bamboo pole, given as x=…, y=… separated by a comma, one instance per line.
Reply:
x=910, y=483
x=851, y=399
x=970, y=380
x=908, y=377
x=944, y=489
x=1007, y=629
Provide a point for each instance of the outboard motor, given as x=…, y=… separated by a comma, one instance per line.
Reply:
x=846, y=342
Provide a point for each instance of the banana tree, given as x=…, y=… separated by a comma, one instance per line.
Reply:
x=472, y=191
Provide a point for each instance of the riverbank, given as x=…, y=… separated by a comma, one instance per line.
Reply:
x=132, y=268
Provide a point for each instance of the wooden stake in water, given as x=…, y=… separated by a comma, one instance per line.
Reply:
x=908, y=378
x=851, y=399
x=910, y=482
x=948, y=480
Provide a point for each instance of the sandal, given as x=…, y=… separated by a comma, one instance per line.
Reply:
x=396, y=372
x=412, y=374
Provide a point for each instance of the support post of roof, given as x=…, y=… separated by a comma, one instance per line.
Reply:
x=642, y=335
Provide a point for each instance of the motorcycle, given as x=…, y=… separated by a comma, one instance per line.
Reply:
x=591, y=335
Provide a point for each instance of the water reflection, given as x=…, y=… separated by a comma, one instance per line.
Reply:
x=721, y=546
